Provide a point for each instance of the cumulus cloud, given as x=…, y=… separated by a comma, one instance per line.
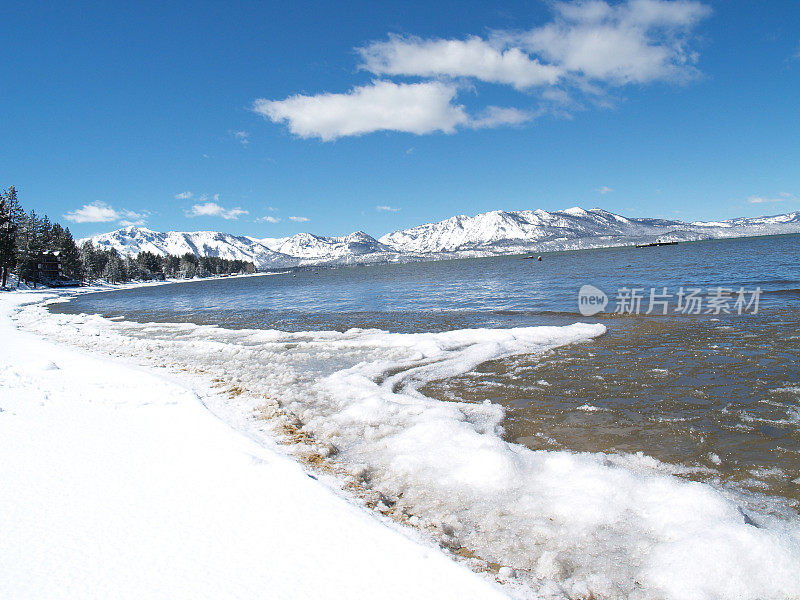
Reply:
x=96, y=212
x=385, y=208
x=299, y=219
x=638, y=41
x=604, y=189
x=213, y=209
x=101, y=212
x=268, y=219
x=383, y=105
x=782, y=197
x=588, y=49
x=472, y=57
x=183, y=196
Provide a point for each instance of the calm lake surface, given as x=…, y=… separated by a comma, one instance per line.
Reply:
x=716, y=391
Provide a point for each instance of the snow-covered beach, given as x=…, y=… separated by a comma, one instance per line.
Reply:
x=118, y=483
x=166, y=483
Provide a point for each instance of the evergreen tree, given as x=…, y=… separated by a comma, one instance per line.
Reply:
x=114, y=270
x=29, y=241
x=172, y=266
x=94, y=260
x=11, y=217
x=71, y=264
x=189, y=265
x=45, y=233
x=7, y=239
x=152, y=265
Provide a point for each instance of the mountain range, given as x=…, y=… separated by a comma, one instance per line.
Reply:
x=495, y=232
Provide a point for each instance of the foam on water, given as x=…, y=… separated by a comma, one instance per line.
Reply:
x=568, y=524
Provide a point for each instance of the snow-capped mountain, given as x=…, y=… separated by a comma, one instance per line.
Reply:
x=495, y=232
x=309, y=246
x=129, y=241
x=503, y=231
x=300, y=249
x=788, y=218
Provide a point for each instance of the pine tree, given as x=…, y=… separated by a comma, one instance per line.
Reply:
x=11, y=217
x=93, y=259
x=114, y=271
x=29, y=241
x=45, y=233
x=71, y=264
x=7, y=246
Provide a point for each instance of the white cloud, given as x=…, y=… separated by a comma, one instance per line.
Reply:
x=212, y=209
x=100, y=212
x=96, y=212
x=604, y=189
x=242, y=137
x=268, y=219
x=782, y=197
x=183, y=196
x=589, y=48
x=385, y=208
x=299, y=219
x=638, y=41
x=381, y=106
x=472, y=57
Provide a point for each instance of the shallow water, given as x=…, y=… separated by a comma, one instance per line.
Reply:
x=720, y=392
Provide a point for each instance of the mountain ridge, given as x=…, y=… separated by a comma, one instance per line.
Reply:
x=493, y=232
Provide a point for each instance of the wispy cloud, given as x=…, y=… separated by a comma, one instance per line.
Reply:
x=385, y=208
x=212, y=209
x=496, y=116
x=243, y=137
x=782, y=197
x=133, y=219
x=268, y=219
x=299, y=219
x=588, y=49
x=604, y=189
x=183, y=196
x=101, y=212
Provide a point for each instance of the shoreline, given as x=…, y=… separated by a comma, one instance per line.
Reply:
x=120, y=482
x=704, y=514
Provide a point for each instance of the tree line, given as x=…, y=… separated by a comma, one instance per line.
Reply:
x=26, y=237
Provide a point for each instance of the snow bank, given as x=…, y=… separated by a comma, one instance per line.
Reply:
x=565, y=524
x=118, y=483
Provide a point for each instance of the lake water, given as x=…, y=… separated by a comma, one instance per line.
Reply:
x=719, y=393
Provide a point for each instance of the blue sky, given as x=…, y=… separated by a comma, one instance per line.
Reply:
x=267, y=119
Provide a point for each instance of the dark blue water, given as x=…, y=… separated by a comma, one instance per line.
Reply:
x=484, y=292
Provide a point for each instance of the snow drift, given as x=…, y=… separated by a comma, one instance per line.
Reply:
x=118, y=483
x=568, y=525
